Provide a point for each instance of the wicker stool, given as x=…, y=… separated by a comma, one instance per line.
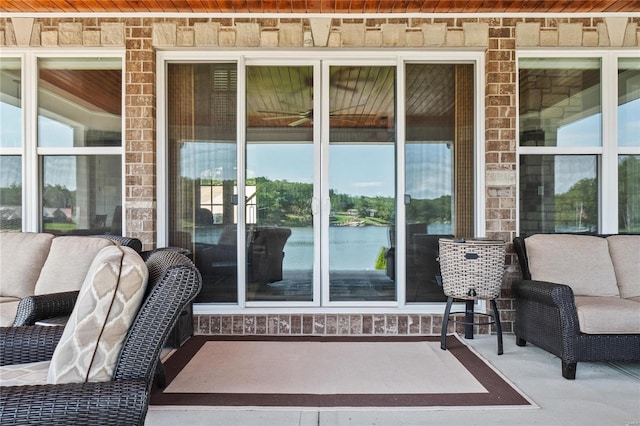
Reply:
x=471, y=270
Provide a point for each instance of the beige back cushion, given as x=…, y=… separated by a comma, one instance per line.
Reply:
x=68, y=262
x=106, y=307
x=625, y=255
x=580, y=261
x=22, y=255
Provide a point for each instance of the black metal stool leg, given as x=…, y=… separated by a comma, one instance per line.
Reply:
x=496, y=315
x=445, y=324
x=469, y=319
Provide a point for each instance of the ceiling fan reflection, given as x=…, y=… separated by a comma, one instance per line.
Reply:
x=306, y=116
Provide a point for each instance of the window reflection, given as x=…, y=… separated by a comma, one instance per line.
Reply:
x=82, y=194
x=629, y=193
x=201, y=129
x=560, y=102
x=558, y=193
x=439, y=151
x=10, y=137
x=10, y=103
x=79, y=102
x=629, y=102
x=10, y=193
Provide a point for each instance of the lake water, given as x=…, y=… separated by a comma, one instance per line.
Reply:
x=351, y=248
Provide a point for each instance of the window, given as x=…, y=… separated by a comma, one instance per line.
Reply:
x=10, y=144
x=71, y=151
x=628, y=127
x=574, y=159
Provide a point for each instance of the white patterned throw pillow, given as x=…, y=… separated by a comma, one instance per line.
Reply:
x=106, y=307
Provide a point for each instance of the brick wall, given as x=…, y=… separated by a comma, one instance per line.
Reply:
x=140, y=131
x=500, y=37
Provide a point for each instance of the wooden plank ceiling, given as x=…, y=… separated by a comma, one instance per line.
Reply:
x=321, y=6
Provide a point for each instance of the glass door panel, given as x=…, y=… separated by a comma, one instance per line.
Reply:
x=361, y=182
x=201, y=131
x=280, y=184
x=438, y=154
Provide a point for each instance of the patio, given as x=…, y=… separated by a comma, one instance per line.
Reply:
x=540, y=99
x=602, y=394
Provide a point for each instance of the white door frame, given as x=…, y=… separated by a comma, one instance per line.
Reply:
x=327, y=56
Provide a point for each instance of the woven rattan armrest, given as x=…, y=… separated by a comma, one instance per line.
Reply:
x=20, y=345
x=546, y=315
x=36, y=308
x=545, y=292
x=120, y=402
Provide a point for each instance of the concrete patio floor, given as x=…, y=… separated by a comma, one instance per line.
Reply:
x=601, y=395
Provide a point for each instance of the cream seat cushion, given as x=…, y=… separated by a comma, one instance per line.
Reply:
x=68, y=262
x=608, y=315
x=33, y=373
x=625, y=255
x=105, y=309
x=579, y=261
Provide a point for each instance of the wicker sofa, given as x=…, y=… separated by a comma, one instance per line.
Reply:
x=579, y=297
x=121, y=395
x=35, y=265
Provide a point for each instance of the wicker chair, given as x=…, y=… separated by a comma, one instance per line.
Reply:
x=44, y=306
x=546, y=316
x=173, y=282
x=471, y=270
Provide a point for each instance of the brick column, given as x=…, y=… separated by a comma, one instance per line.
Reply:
x=140, y=136
x=500, y=148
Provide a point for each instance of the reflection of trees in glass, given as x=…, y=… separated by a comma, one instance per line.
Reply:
x=577, y=209
x=289, y=204
x=57, y=196
x=629, y=194
x=283, y=203
x=10, y=202
x=437, y=210
x=11, y=195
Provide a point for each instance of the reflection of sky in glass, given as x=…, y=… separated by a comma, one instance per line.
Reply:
x=587, y=131
x=354, y=169
x=290, y=162
x=60, y=170
x=208, y=160
x=629, y=123
x=583, y=132
x=429, y=170
x=569, y=169
x=10, y=170
x=10, y=126
x=54, y=133
x=367, y=170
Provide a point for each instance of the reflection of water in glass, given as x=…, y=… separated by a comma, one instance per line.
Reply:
x=440, y=229
x=351, y=248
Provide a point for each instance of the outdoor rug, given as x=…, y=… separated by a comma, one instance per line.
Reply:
x=314, y=371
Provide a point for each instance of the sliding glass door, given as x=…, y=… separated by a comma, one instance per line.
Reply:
x=284, y=177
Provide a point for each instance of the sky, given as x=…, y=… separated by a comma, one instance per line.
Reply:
x=355, y=170
x=367, y=170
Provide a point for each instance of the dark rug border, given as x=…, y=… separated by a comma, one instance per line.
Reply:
x=500, y=392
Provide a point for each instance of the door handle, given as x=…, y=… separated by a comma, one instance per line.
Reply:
x=327, y=204
x=407, y=199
